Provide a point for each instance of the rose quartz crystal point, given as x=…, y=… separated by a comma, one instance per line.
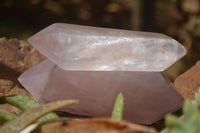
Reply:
x=148, y=95
x=94, y=65
x=84, y=48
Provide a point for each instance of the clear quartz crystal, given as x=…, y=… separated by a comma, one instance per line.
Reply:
x=84, y=48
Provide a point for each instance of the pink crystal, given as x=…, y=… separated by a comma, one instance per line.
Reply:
x=94, y=64
x=84, y=48
x=148, y=95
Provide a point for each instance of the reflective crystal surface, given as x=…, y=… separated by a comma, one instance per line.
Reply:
x=148, y=95
x=84, y=48
x=94, y=65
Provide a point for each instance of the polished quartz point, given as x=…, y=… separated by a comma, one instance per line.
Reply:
x=84, y=48
x=148, y=95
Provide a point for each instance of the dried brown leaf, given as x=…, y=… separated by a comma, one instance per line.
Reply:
x=94, y=125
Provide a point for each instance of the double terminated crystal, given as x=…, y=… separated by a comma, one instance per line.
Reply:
x=83, y=48
x=95, y=64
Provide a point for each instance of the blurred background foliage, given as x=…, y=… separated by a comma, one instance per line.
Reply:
x=179, y=19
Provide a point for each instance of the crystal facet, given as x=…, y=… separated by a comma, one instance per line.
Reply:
x=148, y=95
x=105, y=62
x=84, y=48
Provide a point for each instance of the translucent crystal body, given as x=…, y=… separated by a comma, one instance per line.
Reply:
x=83, y=48
x=148, y=95
x=94, y=64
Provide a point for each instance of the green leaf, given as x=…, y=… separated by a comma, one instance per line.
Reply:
x=172, y=121
x=31, y=115
x=117, y=113
x=197, y=96
x=190, y=122
x=24, y=103
x=6, y=116
x=189, y=109
x=20, y=101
